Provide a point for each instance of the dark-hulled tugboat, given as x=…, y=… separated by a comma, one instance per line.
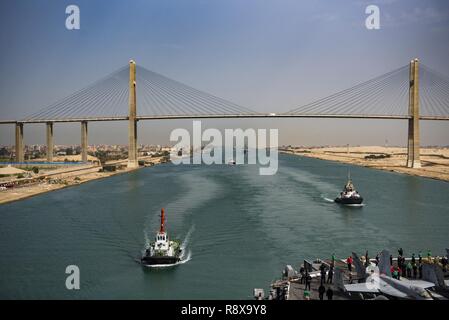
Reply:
x=349, y=196
x=162, y=251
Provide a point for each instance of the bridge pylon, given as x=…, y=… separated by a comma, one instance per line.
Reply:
x=50, y=143
x=132, y=126
x=84, y=144
x=413, y=152
x=19, y=142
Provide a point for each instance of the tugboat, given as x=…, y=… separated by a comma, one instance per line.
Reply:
x=349, y=196
x=162, y=251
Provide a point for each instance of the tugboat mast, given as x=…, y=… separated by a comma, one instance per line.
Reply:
x=162, y=229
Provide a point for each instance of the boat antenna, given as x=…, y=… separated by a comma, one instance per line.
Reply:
x=162, y=221
x=349, y=174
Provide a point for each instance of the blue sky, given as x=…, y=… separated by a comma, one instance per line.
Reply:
x=270, y=56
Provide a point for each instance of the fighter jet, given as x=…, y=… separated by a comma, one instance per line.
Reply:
x=378, y=280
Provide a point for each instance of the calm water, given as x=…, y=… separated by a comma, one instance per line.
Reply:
x=242, y=228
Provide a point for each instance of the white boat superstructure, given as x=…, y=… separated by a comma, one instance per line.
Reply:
x=162, y=245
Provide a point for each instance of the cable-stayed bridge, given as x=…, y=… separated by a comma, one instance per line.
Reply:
x=132, y=93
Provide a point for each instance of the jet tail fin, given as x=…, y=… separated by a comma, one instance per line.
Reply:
x=361, y=271
x=384, y=263
x=433, y=273
x=339, y=279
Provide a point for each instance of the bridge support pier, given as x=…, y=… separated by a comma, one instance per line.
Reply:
x=413, y=152
x=84, y=141
x=132, y=126
x=50, y=145
x=19, y=143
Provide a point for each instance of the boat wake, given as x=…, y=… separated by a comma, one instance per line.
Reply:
x=327, y=199
x=186, y=253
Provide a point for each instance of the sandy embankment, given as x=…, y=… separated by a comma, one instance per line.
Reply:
x=435, y=161
x=62, y=178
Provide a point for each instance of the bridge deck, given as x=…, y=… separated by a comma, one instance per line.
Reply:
x=230, y=116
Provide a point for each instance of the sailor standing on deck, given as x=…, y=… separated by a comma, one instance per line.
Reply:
x=308, y=281
x=321, y=291
x=330, y=274
x=349, y=262
x=404, y=267
x=323, y=273
x=329, y=293
x=409, y=269
x=303, y=275
x=415, y=271
x=394, y=274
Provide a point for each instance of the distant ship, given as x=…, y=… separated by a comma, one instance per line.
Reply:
x=162, y=251
x=232, y=162
x=349, y=195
